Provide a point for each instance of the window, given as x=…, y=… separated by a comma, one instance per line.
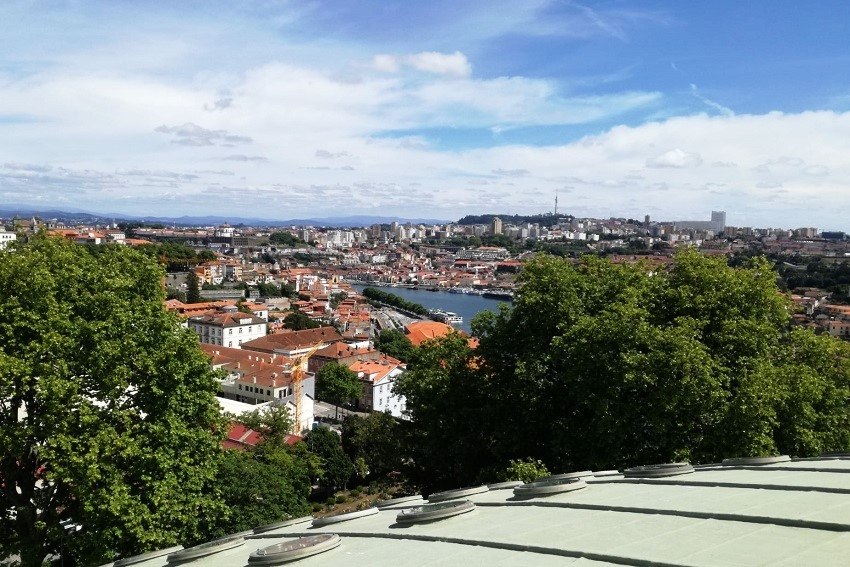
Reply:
x=240, y=386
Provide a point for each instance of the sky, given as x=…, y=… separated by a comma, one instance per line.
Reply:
x=275, y=109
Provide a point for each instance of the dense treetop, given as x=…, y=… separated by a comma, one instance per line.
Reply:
x=105, y=398
x=599, y=365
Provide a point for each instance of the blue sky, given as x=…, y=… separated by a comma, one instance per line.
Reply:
x=283, y=109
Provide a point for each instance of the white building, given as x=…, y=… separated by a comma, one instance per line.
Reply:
x=6, y=237
x=378, y=378
x=228, y=329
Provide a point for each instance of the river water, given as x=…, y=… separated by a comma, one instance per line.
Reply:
x=465, y=305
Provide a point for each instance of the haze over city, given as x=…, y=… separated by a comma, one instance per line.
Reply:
x=437, y=109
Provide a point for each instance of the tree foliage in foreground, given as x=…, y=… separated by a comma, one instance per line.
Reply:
x=265, y=484
x=107, y=409
x=602, y=365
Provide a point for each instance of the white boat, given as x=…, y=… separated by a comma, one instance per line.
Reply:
x=446, y=317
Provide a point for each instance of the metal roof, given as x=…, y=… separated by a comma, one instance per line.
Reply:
x=787, y=513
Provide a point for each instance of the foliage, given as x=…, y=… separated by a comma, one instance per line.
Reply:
x=377, y=440
x=259, y=488
x=544, y=220
x=337, y=384
x=268, y=290
x=526, y=470
x=337, y=298
x=448, y=405
x=288, y=290
x=284, y=238
x=336, y=467
x=176, y=256
x=266, y=484
x=393, y=300
x=108, y=415
x=600, y=365
x=193, y=289
x=395, y=343
x=298, y=321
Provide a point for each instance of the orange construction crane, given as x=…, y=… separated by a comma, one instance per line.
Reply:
x=298, y=365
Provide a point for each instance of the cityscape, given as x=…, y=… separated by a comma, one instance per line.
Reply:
x=446, y=283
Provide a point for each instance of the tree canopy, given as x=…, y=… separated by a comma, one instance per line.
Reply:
x=337, y=384
x=395, y=343
x=107, y=409
x=599, y=365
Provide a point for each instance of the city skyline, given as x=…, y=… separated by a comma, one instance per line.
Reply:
x=439, y=110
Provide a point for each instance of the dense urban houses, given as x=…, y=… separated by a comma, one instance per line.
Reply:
x=230, y=329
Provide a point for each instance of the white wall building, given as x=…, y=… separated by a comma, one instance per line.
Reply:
x=6, y=237
x=378, y=378
x=228, y=329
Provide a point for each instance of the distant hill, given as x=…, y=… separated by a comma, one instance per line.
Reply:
x=76, y=215
x=545, y=220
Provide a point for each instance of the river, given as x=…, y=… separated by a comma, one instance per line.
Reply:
x=465, y=305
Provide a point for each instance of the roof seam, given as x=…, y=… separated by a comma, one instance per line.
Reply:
x=786, y=522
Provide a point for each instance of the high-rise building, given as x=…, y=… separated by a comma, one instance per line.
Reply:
x=496, y=226
x=718, y=221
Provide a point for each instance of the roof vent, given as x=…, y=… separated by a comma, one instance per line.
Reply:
x=658, y=471
x=505, y=485
x=205, y=549
x=548, y=487
x=327, y=520
x=575, y=474
x=294, y=549
x=380, y=504
x=279, y=525
x=433, y=512
x=145, y=556
x=755, y=461
x=457, y=494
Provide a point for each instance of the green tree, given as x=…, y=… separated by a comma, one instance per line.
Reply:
x=395, y=343
x=599, y=365
x=336, y=467
x=298, y=321
x=526, y=470
x=260, y=488
x=108, y=415
x=449, y=405
x=337, y=384
x=266, y=484
x=193, y=288
x=377, y=439
x=623, y=364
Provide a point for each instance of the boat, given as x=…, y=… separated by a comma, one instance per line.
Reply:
x=504, y=295
x=447, y=317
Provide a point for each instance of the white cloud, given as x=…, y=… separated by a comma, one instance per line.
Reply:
x=449, y=64
x=454, y=64
x=386, y=63
x=675, y=158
